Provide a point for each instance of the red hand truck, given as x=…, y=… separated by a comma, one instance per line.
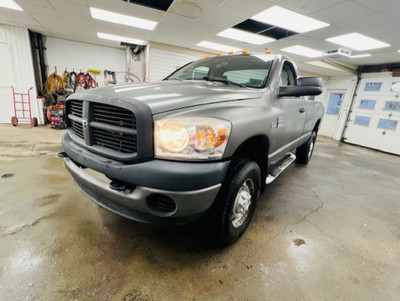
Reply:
x=22, y=108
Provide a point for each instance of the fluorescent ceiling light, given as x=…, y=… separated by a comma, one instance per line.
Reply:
x=357, y=56
x=322, y=64
x=108, y=16
x=217, y=46
x=243, y=36
x=10, y=4
x=287, y=19
x=112, y=37
x=357, y=41
x=304, y=51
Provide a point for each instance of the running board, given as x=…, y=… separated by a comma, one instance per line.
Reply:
x=278, y=170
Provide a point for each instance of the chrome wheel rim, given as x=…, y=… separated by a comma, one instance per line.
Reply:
x=241, y=207
x=310, y=149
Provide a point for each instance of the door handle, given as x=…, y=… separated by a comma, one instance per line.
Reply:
x=302, y=110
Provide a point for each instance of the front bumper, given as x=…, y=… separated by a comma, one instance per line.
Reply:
x=193, y=187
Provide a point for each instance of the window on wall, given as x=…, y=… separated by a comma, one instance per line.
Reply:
x=373, y=87
x=335, y=101
x=387, y=124
x=392, y=106
x=367, y=104
x=361, y=120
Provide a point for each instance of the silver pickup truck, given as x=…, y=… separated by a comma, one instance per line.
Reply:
x=201, y=143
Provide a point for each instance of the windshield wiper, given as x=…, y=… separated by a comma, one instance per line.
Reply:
x=223, y=80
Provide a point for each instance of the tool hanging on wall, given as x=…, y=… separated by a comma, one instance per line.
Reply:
x=109, y=77
x=53, y=82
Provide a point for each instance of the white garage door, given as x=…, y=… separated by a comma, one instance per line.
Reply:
x=163, y=63
x=375, y=118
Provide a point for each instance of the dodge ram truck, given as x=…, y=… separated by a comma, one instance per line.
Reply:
x=202, y=143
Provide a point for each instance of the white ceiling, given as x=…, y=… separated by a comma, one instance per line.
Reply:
x=188, y=22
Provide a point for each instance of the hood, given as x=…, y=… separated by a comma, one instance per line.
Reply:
x=171, y=95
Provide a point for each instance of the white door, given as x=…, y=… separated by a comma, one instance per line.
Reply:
x=375, y=118
x=332, y=112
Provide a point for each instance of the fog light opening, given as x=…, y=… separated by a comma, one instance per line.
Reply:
x=161, y=205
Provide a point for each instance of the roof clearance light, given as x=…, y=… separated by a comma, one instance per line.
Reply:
x=206, y=56
x=357, y=41
x=245, y=51
x=230, y=52
x=218, y=47
x=268, y=51
x=288, y=19
x=112, y=17
x=218, y=54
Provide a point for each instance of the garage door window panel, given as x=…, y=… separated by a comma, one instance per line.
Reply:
x=387, y=124
x=362, y=120
x=367, y=104
x=392, y=106
x=373, y=87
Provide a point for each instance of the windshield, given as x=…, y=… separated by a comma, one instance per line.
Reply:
x=244, y=70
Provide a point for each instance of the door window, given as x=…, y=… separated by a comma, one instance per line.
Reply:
x=288, y=77
x=335, y=101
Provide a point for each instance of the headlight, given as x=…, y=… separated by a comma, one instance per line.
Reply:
x=191, y=138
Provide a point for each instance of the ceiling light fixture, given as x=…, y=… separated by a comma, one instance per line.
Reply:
x=246, y=37
x=303, y=51
x=10, y=4
x=288, y=19
x=217, y=46
x=357, y=41
x=357, y=56
x=112, y=37
x=105, y=15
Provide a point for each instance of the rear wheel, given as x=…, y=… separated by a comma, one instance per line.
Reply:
x=236, y=201
x=304, y=152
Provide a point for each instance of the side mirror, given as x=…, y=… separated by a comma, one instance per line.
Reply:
x=306, y=86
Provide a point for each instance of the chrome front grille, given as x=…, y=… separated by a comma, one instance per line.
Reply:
x=106, y=129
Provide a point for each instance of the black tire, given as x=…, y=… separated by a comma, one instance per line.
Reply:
x=304, y=152
x=225, y=228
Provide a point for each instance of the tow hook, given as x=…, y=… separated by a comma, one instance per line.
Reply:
x=62, y=155
x=120, y=186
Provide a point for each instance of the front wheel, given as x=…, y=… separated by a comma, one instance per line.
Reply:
x=236, y=201
x=304, y=152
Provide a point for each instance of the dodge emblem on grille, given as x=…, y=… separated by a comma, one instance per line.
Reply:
x=84, y=124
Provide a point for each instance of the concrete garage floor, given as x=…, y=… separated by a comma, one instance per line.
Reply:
x=329, y=231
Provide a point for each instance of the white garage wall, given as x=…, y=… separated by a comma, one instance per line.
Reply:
x=165, y=59
x=82, y=56
x=18, y=40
